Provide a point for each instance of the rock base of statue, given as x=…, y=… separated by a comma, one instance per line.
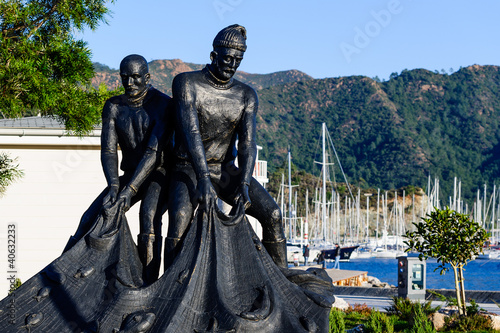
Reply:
x=222, y=280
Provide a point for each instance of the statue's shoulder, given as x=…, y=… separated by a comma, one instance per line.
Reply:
x=248, y=90
x=113, y=105
x=187, y=77
x=159, y=96
x=116, y=101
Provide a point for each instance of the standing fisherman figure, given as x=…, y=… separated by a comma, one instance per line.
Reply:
x=214, y=111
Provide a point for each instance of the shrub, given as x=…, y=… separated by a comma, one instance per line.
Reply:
x=362, y=309
x=473, y=308
x=401, y=307
x=421, y=324
x=405, y=309
x=379, y=323
x=469, y=323
x=449, y=301
x=337, y=324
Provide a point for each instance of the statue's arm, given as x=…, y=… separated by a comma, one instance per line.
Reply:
x=109, y=150
x=187, y=116
x=109, y=145
x=247, y=146
x=147, y=164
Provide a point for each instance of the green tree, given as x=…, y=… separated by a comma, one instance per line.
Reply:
x=8, y=172
x=452, y=238
x=43, y=68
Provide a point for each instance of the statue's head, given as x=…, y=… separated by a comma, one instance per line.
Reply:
x=134, y=72
x=229, y=47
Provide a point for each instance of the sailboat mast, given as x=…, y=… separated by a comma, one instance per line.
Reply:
x=460, y=209
x=454, y=206
x=295, y=218
x=338, y=219
x=283, y=197
x=378, y=215
x=323, y=199
x=493, y=207
x=306, y=224
x=290, y=193
x=484, y=207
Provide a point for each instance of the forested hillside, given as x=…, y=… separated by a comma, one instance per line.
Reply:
x=391, y=134
x=387, y=134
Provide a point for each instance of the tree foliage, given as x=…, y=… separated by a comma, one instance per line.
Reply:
x=9, y=172
x=450, y=237
x=43, y=68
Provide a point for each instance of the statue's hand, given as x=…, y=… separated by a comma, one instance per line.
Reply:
x=121, y=202
x=125, y=198
x=242, y=195
x=110, y=198
x=207, y=197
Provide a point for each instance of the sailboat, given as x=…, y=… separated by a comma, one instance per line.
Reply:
x=329, y=212
x=325, y=231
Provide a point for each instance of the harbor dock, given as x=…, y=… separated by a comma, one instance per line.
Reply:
x=342, y=277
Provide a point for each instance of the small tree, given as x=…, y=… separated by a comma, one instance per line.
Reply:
x=8, y=172
x=452, y=238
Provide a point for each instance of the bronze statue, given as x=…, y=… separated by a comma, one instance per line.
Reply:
x=221, y=279
x=214, y=111
x=141, y=123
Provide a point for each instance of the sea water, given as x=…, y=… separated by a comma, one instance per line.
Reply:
x=478, y=274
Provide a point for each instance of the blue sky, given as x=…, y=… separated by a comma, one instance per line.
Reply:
x=323, y=38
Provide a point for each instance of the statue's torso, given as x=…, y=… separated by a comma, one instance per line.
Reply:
x=134, y=125
x=219, y=112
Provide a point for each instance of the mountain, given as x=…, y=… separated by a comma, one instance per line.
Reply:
x=387, y=134
x=391, y=134
x=164, y=71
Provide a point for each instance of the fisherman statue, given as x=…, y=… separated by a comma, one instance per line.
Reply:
x=216, y=116
x=140, y=123
x=219, y=276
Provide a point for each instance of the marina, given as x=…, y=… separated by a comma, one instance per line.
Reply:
x=479, y=274
x=482, y=275
x=372, y=224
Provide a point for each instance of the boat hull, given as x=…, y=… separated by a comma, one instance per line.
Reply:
x=345, y=253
